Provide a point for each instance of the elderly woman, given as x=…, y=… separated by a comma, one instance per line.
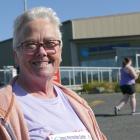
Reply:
x=33, y=106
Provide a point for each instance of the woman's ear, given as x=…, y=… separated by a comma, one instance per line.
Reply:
x=16, y=58
x=60, y=55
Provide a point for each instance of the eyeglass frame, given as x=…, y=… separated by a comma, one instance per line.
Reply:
x=38, y=45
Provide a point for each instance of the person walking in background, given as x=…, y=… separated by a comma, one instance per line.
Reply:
x=128, y=75
x=33, y=106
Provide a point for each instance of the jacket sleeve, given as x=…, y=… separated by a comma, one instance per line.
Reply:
x=4, y=135
x=98, y=132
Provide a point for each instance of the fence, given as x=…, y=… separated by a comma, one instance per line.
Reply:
x=73, y=77
x=6, y=74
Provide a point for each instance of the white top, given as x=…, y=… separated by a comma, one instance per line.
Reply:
x=47, y=117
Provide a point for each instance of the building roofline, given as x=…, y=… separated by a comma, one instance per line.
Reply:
x=97, y=17
x=3, y=41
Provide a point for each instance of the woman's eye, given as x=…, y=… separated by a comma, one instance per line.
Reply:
x=31, y=46
x=49, y=44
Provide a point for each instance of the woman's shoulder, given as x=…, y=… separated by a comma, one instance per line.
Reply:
x=129, y=69
x=72, y=95
x=5, y=93
x=6, y=97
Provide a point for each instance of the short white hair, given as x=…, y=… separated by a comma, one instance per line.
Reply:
x=32, y=14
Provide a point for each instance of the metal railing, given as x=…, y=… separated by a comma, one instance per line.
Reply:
x=74, y=77
x=6, y=74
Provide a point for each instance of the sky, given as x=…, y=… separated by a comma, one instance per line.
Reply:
x=65, y=9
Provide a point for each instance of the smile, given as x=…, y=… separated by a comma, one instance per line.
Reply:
x=42, y=63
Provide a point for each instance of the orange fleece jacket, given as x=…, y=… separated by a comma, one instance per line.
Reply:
x=11, y=115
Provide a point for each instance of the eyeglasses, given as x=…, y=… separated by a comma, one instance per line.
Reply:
x=32, y=46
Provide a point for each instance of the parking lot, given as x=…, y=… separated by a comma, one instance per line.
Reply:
x=121, y=127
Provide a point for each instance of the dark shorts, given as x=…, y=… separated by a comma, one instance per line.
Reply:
x=128, y=89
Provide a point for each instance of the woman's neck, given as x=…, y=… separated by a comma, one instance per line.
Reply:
x=37, y=87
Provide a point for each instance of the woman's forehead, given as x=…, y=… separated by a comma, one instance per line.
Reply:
x=39, y=28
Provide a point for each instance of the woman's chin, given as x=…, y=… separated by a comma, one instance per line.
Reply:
x=45, y=74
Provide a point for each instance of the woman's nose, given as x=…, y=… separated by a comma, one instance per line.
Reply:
x=42, y=51
x=45, y=51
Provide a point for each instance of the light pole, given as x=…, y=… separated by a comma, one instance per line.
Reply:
x=25, y=5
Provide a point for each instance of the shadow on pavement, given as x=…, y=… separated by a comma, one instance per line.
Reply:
x=111, y=115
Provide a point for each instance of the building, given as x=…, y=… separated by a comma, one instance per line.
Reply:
x=95, y=41
x=6, y=53
x=101, y=41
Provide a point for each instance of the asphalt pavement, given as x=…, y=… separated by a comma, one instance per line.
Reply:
x=121, y=127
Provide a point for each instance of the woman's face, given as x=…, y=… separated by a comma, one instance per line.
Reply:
x=43, y=61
